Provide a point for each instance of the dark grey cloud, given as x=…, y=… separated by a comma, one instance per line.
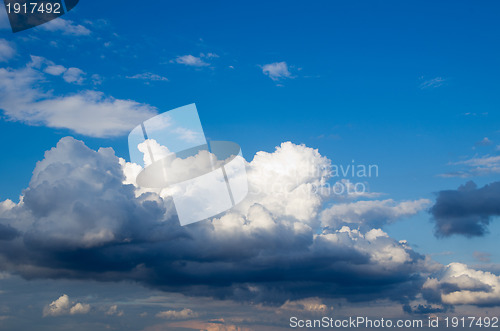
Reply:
x=78, y=220
x=466, y=211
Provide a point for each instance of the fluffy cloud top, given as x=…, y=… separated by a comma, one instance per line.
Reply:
x=85, y=112
x=466, y=211
x=63, y=306
x=459, y=284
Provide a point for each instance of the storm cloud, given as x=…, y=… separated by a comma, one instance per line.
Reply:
x=82, y=217
x=466, y=211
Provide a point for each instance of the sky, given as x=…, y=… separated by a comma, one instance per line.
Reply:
x=309, y=90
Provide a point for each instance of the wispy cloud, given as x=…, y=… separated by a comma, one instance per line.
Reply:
x=190, y=60
x=149, y=76
x=181, y=314
x=7, y=50
x=66, y=27
x=277, y=71
x=480, y=166
x=432, y=83
x=25, y=97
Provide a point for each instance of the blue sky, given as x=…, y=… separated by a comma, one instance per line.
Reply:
x=409, y=86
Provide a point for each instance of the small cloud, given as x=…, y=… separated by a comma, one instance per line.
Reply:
x=79, y=308
x=432, y=83
x=190, y=60
x=148, y=76
x=484, y=142
x=55, y=70
x=181, y=314
x=209, y=55
x=7, y=50
x=66, y=27
x=74, y=75
x=277, y=71
x=63, y=306
x=113, y=311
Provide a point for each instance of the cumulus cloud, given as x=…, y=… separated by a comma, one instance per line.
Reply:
x=86, y=112
x=63, y=306
x=7, y=50
x=175, y=315
x=66, y=27
x=190, y=60
x=466, y=211
x=277, y=71
x=81, y=218
x=459, y=284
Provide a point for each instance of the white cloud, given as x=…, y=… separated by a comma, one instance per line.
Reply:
x=113, y=311
x=479, y=166
x=277, y=71
x=79, y=309
x=74, y=75
x=181, y=314
x=65, y=27
x=190, y=60
x=55, y=70
x=371, y=213
x=7, y=50
x=63, y=306
x=459, y=284
x=149, y=77
x=85, y=112
x=432, y=83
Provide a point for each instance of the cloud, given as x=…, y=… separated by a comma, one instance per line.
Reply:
x=23, y=98
x=63, y=306
x=277, y=71
x=269, y=249
x=74, y=75
x=371, y=213
x=113, y=311
x=466, y=211
x=7, y=50
x=190, y=60
x=432, y=83
x=79, y=309
x=177, y=315
x=66, y=27
x=481, y=166
x=484, y=142
x=148, y=76
x=459, y=284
